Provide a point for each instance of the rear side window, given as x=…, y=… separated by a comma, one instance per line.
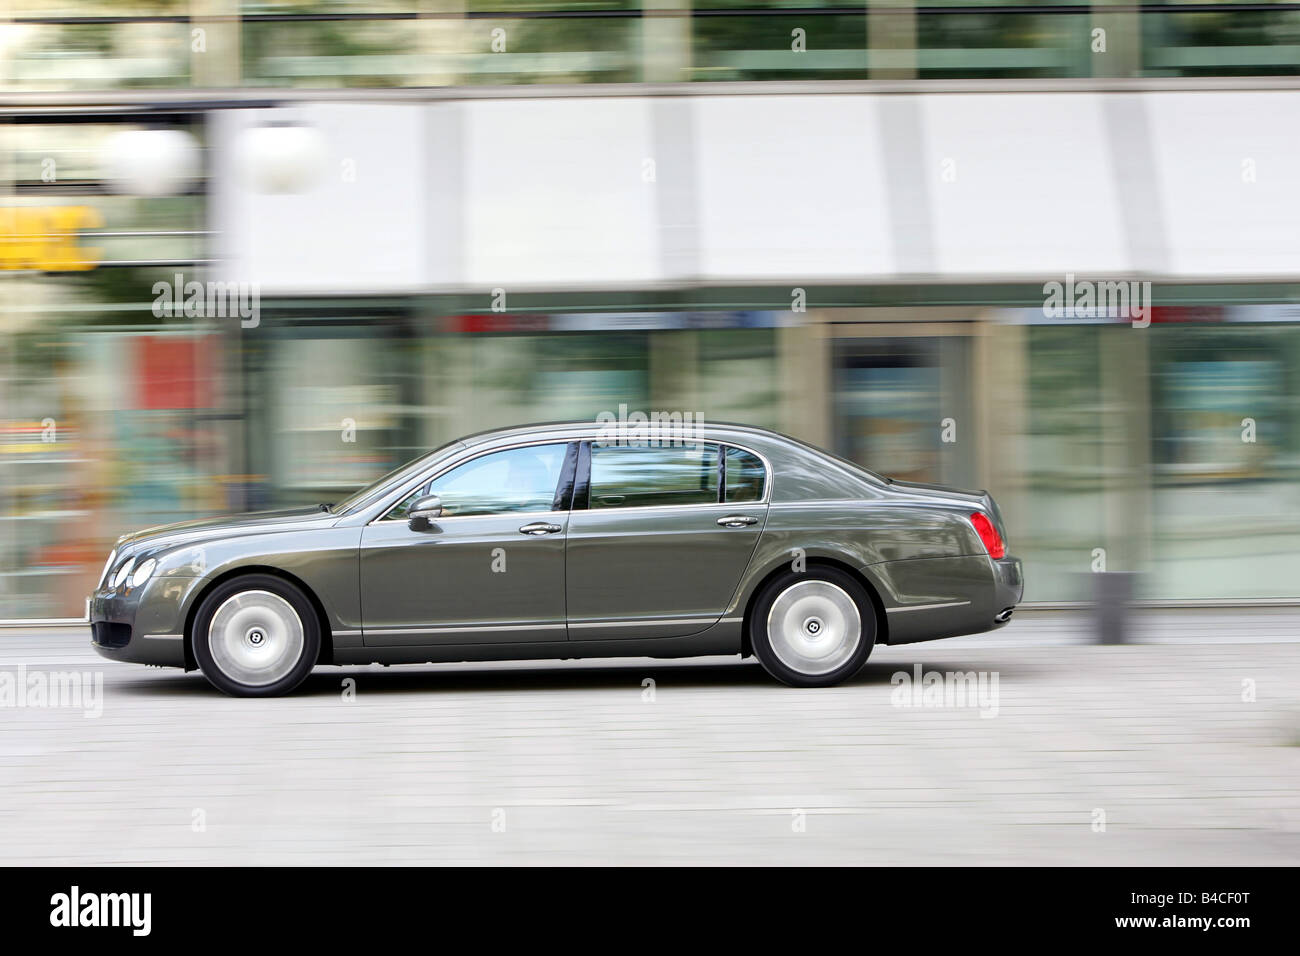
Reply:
x=638, y=476
x=745, y=476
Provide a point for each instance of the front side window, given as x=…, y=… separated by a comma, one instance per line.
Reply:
x=514, y=481
x=639, y=476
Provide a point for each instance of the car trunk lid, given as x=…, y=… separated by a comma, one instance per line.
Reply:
x=958, y=496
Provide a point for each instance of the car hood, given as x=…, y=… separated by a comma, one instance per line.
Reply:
x=208, y=529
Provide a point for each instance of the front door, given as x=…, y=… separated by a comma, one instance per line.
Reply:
x=489, y=570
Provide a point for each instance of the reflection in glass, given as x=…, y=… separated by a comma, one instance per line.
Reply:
x=744, y=476
x=637, y=476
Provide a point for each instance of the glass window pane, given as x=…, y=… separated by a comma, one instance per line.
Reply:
x=519, y=480
x=738, y=376
x=50, y=56
x=1224, y=440
x=633, y=476
x=1062, y=515
x=888, y=396
x=1246, y=42
x=402, y=510
x=744, y=476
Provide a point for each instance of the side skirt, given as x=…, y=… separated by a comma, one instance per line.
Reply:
x=719, y=639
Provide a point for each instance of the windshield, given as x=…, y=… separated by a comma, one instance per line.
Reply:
x=379, y=487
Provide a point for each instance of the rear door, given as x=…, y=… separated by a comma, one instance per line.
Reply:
x=659, y=537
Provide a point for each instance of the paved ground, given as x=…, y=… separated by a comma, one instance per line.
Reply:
x=575, y=763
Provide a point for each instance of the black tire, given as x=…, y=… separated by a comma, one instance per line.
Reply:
x=255, y=626
x=812, y=600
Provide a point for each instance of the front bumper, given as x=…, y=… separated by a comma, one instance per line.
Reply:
x=144, y=625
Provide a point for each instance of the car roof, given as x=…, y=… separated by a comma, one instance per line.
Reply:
x=562, y=429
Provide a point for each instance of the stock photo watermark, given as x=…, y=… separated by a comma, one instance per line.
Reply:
x=946, y=689
x=655, y=429
x=133, y=911
x=208, y=300
x=76, y=690
x=1077, y=298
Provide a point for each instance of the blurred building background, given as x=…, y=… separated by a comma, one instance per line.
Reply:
x=836, y=221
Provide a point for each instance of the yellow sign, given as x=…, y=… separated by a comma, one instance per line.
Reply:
x=44, y=238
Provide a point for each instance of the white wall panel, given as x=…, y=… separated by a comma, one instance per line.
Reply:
x=554, y=193
x=338, y=236
x=1033, y=192
x=1218, y=222
x=791, y=187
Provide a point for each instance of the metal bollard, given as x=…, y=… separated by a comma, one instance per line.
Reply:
x=1112, y=597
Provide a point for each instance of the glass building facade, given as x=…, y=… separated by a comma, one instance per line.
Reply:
x=140, y=44
x=1172, y=453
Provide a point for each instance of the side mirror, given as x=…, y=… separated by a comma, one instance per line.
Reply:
x=423, y=510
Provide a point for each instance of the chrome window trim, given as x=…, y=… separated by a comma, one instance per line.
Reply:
x=925, y=607
x=525, y=626
x=696, y=504
x=472, y=452
x=527, y=516
x=645, y=622
x=470, y=629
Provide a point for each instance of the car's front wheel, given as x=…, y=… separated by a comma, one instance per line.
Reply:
x=813, y=628
x=256, y=636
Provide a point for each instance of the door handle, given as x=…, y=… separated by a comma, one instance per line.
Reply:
x=540, y=527
x=737, y=521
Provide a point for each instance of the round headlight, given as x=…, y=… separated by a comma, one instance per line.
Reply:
x=142, y=573
x=103, y=575
x=122, y=572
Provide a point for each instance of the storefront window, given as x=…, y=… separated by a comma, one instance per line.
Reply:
x=333, y=401
x=131, y=44
x=1253, y=40
x=1062, y=518
x=45, y=52
x=482, y=381
x=1226, y=461
x=901, y=407
x=737, y=377
x=111, y=424
x=113, y=407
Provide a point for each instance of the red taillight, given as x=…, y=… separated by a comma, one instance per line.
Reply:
x=989, y=535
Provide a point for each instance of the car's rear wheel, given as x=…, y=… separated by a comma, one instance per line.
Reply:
x=813, y=628
x=256, y=636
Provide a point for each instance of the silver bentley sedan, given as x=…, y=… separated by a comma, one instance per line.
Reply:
x=567, y=541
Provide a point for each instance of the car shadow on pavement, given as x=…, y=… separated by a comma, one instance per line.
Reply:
x=545, y=676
